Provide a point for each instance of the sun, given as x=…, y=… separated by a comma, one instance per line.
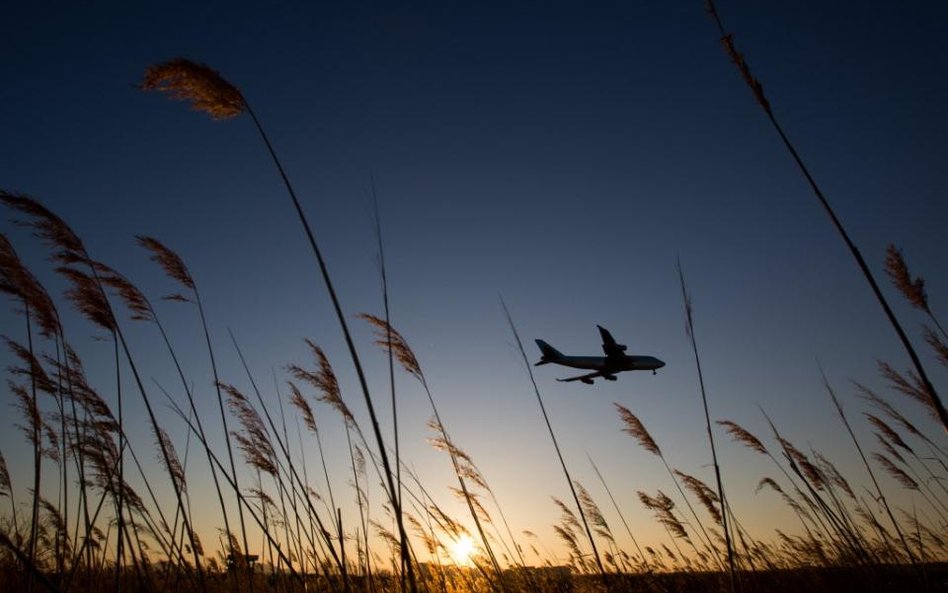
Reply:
x=461, y=550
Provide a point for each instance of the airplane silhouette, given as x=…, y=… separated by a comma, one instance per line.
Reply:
x=615, y=360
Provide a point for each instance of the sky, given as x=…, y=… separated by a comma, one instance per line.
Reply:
x=558, y=156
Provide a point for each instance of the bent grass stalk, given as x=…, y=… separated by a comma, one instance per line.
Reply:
x=175, y=268
x=210, y=93
x=290, y=470
x=727, y=40
x=89, y=295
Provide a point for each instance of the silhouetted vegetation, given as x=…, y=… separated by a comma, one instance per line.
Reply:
x=90, y=517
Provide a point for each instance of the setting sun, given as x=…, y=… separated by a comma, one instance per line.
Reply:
x=461, y=550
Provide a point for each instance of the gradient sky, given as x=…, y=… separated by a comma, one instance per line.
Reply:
x=556, y=155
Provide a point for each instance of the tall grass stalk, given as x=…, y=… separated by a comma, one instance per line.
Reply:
x=556, y=445
x=397, y=347
x=872, y=476
x=619, y=512
x=689, y=319
x=88, y=293
x=268, y=537
x=175, y=268
x=391, y=355
x=635, y=428
x=290, y=467
x=36, y=425
x=210, y=93
x=727, y=40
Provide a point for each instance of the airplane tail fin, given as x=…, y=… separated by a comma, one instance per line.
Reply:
x=548, y=353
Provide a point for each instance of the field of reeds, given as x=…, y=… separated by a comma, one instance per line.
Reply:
x=96, y=513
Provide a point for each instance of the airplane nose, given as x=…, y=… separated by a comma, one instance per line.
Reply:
x=660, y=363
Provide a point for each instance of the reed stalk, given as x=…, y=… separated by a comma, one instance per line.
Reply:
x=689, y=318
x=210, y=93
x=556, y=446
x=727, y=40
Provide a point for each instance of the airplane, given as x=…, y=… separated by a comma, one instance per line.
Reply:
x=615, y=360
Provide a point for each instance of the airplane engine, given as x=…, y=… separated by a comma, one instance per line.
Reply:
x=622, y=347
x=609, y=377
x=587, y=380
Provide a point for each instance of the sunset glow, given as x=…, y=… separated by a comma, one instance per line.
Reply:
x=293, y=295
x=461, y=550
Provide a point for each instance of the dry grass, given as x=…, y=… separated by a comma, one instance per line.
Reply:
x=98, y=520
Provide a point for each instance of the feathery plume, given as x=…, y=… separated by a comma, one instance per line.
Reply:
x=705, y=495
x=592, y=511
x=47, y=226
x=941, y=350
x=896, y=472
x=173, y=464
x=206, y=90
x=32, y=369
x=911, y=386
x=741, y=435
x=768, y=482
x=570, y=540
x=793, y=504
x=324, y=380
x=829, y=470
x=634, y=427
x=169, y=261
x=27, y=406
x=86, y=296
x=889, y=448
x=798, y=459
x=663, y=506
x=133, y=298
x=886, y=407
x=568, y=517
x=385, y=534
x=17, y=281
x=392, y=341
x=475, y=502
x=913, y=289
x=253, y=441
x=738, y=58
x=57, y=525
x=888, y=432
x=297, y=399
x=52, y=437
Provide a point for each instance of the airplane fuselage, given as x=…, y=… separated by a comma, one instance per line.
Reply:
x=611, y=364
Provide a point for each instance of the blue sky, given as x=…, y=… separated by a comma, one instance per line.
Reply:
x=559, y=156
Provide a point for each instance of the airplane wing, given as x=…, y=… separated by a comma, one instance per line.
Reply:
x=588, y=378
x=609, y=345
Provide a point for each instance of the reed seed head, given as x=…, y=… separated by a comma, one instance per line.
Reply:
x=741, y=435
x=86, y=295
x=203, y=87
x=47, y=226
x=911, y=386
x=913, y=289
x=392, y=341
x=634, y=427
x=895, y=471
x=169, y=261
x=934, y=340
x=17, y=281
